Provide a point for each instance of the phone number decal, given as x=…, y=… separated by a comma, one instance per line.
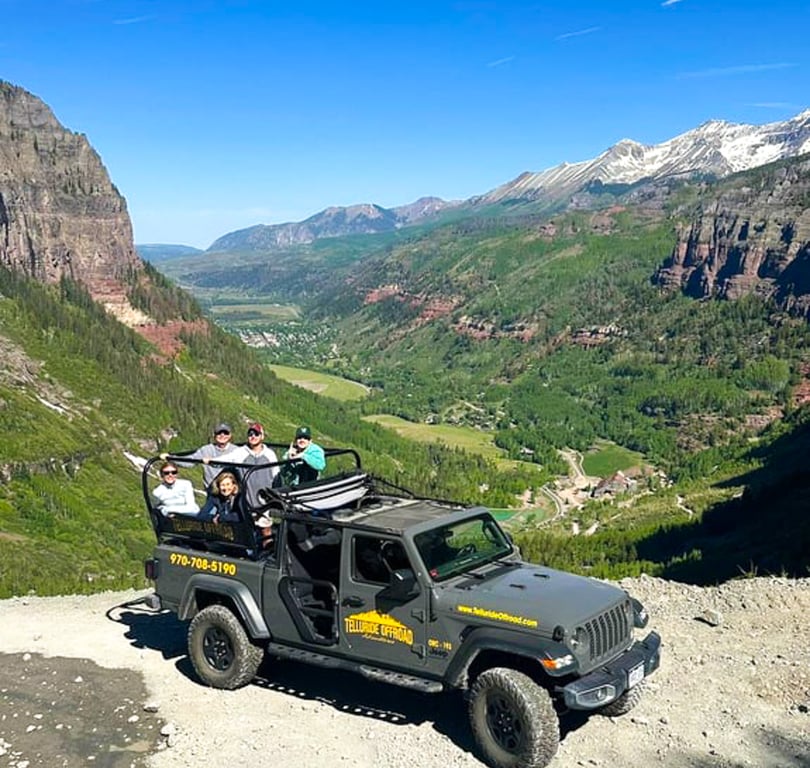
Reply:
x=202, y=564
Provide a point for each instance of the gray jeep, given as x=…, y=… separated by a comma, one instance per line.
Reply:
x=360, y=575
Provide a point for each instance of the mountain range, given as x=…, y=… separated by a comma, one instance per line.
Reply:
x=715, y=149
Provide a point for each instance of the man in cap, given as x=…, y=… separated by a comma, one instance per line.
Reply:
x=255, y=452
x=307, y=459
x=216, y=450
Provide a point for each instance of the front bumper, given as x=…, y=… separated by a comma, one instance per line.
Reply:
x=610, y=681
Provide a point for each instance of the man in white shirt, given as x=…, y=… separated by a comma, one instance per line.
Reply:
x=174, y=496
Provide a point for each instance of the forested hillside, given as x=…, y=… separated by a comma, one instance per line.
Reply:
x=79, y=390
x=558, y=342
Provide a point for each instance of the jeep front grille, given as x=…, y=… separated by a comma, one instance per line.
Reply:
x=609, y=632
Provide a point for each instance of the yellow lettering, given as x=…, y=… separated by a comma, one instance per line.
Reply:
x=497, y=615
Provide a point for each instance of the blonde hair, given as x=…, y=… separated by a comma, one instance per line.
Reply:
x=221, y=477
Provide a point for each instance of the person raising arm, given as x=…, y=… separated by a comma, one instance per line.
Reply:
x=307, y=458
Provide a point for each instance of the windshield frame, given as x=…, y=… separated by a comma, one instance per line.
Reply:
x=442, y=548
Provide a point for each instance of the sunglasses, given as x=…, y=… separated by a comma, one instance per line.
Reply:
x=222, y=432
x=169, y=472
x=253, y=433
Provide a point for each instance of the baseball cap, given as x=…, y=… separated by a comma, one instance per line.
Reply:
x=256, y=427
x=222, y=427
x=303, y=432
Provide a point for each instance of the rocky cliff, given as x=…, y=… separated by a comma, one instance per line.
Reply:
x=59, y=212
x=752, y=236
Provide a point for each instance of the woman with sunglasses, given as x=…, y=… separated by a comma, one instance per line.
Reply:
x=174, y=496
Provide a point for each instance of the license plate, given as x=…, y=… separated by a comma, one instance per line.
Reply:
x=635, y=675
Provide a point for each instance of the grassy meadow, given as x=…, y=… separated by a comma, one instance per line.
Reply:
x=606, y=459
x=235, y=310
x=467, y=438
x=472, y=440
x=321, y=383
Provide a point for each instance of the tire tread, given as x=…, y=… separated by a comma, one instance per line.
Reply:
x=247, y=656
x=532, y=704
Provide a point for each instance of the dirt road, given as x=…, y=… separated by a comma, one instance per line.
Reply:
x=732, y=695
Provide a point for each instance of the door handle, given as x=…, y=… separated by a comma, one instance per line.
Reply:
x=353, y=601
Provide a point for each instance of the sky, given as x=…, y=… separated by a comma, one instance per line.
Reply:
x=217, y=115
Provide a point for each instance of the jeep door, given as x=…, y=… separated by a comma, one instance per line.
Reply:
x=381, y=620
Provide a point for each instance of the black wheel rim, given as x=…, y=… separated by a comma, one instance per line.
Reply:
x=217, y=649
x=504, y=724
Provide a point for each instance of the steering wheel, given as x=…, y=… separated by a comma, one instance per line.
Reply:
x=467, y=550
x=386, y=552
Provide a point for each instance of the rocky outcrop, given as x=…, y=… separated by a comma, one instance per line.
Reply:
x=751, y=237
x=59, y=212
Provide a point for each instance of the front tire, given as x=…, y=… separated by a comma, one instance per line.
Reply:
x=624, y=703
x=513, y=720
x=220, y=650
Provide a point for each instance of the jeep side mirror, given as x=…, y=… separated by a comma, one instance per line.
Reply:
x=402, y=585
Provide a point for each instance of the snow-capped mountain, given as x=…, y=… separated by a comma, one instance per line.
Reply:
x=716, y=147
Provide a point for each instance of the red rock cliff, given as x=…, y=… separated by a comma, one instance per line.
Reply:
x=754, y=237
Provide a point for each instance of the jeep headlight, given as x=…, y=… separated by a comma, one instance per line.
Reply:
x=640, y=615
x=580, y=641
x=560, y=662
x=596, y=697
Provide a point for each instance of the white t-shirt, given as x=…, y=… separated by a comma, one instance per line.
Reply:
x=177, y=498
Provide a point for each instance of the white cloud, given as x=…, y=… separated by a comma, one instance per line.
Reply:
x=579, y=32
x=740, y=69
x=501, y=62
x=774, y=105
x=670, y=2
x=134, y=20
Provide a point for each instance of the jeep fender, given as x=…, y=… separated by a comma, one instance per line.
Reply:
x=526, y=647
x=237, y=593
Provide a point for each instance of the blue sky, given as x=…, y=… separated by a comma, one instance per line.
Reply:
x=216, y=115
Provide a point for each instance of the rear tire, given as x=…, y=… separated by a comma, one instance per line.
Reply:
x=624, y=703
x=220, y=650
x=513, y=720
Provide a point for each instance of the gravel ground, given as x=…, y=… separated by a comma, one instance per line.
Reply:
x=90, y=681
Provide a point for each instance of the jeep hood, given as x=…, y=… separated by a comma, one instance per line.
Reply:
x=530, y=597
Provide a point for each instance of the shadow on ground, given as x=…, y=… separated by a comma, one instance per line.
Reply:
x=71, y=712
x=158, y=631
